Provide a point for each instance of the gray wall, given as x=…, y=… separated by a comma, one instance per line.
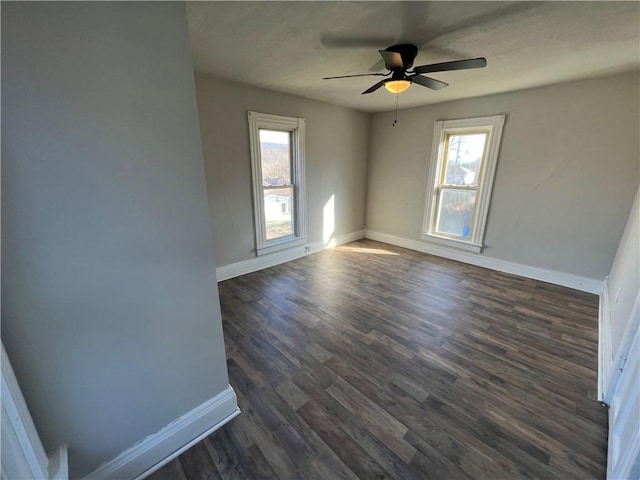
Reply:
x=335, y=162
x=110, y=311
x=566, y=177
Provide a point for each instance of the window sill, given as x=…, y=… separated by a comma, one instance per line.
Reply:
x=281, y=244
x=452, y=242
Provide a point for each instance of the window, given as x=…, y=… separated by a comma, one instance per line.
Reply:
x=277, y=159
x=463, y=163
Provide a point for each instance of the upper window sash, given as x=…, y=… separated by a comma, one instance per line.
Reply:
x=445, y=155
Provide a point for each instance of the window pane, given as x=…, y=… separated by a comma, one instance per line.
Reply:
x=275, y=155
x=278, y=214
x=464, y=159
x=456, y=212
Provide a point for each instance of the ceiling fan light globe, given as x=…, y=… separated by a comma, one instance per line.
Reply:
x=397, y=86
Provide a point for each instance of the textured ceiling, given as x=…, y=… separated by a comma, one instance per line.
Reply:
x=289, y=46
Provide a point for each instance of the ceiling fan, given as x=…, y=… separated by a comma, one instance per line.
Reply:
x=398, y=59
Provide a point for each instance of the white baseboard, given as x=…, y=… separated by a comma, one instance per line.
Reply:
x=584, y=284
x=272, y=259
x=148, y=455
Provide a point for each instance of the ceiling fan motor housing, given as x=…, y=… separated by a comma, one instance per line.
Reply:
x=408, y=53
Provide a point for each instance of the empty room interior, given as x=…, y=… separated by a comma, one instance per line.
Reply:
x=320, y=240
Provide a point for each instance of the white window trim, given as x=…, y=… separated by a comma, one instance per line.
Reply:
x=493, y=126
x=296, y=126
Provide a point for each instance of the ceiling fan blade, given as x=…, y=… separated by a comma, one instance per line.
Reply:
x=428, y=82
x=358, y=75
x=480, y=62
x=504, y=14
x=375, y=87
x=392, y=59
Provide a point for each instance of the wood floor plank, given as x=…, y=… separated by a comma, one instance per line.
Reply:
x=303, y=445
x=379, y=422
x=394, y=465
x=382, y=455
x=329, y=429
x=572, y=462
x=171, y=471
x=433, y=463
x=197, y=464
x=291, y=394
x=263, y=469
x=371, y=361
x=275, y=453
x=225, y=454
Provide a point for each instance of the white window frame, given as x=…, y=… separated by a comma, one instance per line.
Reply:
x=296, y=126
x=492, y=126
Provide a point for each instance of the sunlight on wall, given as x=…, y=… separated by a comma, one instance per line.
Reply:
x=328, y=220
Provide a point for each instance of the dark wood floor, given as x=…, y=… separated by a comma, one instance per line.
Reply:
x=372, y=361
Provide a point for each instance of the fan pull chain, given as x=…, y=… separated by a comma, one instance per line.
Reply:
x=395, y=118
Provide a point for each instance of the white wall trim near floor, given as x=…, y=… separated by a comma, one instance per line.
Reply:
x=265, y=261
x=148, y=455
x=584, y=284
